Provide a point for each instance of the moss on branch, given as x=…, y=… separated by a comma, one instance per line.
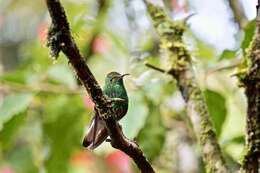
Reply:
x=251, y=160
x=180, y=67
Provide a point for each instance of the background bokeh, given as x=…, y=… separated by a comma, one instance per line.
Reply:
x=44, y=111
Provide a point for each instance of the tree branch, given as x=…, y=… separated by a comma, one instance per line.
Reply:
x=60, y=39
x=238, y=12
x=170, y=33
x=251, y=160
x=155, y=68
x=41, y=87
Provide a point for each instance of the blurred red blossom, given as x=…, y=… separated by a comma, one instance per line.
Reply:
x=1, y=20
x=179, y=6
x=119, y=162
x=7, y=170
x=100, y=45
x=88, y=102
x=83, y=158
x=42, y=31
x=86, y=161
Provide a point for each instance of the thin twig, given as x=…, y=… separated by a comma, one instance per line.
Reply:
x=41, y=87
x=223, y=66
x=155, y=68
x=60, y=39
x=238, y=12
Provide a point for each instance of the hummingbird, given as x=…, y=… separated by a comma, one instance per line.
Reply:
x=115, y=91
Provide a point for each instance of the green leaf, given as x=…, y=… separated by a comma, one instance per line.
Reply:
x=61, y=74
x=228, y=54
x=249, y=33
x=204, y=51
x=240, y=139
x=152, y=136
x=201, y=50
x=18, y=76
x=8, y=133
x=21, y=160
x=136, y=116
x=12, y=105
x=217, y=109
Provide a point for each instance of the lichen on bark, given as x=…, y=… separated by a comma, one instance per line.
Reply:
x=179, y=58
x=251, y=160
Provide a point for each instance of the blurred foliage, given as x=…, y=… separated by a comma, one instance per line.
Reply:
x=249, y=33
x=12, y=105
x=63, y=129
x=44, y=111
x=228, y=54
x=199, y=48
x=217, y=109
x=153, y=129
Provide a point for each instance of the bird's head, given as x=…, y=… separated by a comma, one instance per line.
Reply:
x=115, y=78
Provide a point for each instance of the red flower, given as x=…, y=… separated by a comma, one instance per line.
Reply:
x=42, y=31
x=179, y=7
x=88, y=102
x=7, y=170
x=119, y=162
x=100, y=45
x=2, y=18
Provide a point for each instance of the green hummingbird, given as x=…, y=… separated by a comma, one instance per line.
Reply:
x=115, y=90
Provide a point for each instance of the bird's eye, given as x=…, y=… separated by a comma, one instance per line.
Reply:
x=115, y=78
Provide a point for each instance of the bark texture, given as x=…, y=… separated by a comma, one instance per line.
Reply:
x=251, y=81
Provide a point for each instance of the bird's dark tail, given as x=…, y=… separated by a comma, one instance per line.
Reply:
x=97, y=133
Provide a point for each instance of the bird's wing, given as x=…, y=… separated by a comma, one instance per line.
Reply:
x=97, y=133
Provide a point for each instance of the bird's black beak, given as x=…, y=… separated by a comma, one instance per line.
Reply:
x=123, y=75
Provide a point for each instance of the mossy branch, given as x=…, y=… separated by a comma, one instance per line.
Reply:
x=251, y=82
x=180, y=67
x=60, y=39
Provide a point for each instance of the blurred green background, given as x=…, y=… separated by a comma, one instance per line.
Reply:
x=44, y=111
